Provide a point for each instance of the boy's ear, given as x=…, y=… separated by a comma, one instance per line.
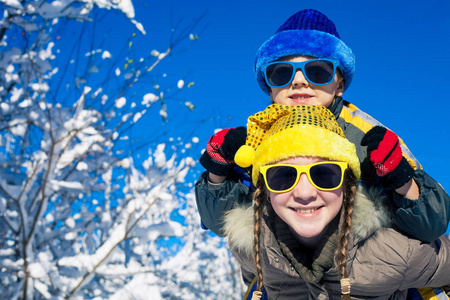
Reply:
x=271, y=95
x=340, y=86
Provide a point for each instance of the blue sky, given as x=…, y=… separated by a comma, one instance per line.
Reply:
x=402, y=51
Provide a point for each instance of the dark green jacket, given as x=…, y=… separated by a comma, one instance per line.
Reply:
x=426, y=218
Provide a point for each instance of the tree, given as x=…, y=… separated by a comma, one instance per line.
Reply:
x=81, y=215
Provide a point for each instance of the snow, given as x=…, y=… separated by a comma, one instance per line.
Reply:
x=136, y=117
x=149, y=98
x=140, y=287
x=120, y=102
x=82, y=166
x=70, y=222
x=163, y=113
x=16, y=94
x=40, y=87
x=70, y=236
x=42, y=288
x=165, y=229
x=71, y=185
x=13, y=3
x=5, y=107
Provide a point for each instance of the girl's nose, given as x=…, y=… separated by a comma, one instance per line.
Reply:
x=299, y=79
x=304, y=190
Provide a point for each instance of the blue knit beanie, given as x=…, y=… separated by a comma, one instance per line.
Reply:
x=306, y=33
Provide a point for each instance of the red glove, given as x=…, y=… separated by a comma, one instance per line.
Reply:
x=220, y=150
x=385, y=154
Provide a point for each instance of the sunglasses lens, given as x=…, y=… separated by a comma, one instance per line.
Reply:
x=279, y=74
x=281, y=178
x=326, y=176
x=319, y=71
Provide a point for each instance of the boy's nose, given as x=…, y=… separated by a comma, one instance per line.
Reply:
x=304, y=190
x=299, y=79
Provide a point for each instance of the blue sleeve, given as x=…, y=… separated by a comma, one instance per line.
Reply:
x=426, y=218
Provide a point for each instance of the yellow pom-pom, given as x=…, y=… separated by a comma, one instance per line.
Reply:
x=244, y=156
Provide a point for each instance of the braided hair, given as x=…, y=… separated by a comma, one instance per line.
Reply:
x=258, y=200
x=344, y=232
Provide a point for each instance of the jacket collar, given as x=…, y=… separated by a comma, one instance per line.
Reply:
x=336, y=106
x=311, y=267
x=370, y=214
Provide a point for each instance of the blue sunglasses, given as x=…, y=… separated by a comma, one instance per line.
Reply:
x=319, y=71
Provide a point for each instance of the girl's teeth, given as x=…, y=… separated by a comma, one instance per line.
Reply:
x=305, y=211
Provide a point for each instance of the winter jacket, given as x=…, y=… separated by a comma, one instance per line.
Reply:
x=382, y=263
x=426, y=218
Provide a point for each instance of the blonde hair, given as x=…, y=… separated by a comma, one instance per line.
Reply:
x=345, y=227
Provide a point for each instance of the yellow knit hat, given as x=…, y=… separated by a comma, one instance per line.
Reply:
x=283, y=131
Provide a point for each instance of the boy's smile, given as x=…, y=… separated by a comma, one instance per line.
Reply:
x=301, y=98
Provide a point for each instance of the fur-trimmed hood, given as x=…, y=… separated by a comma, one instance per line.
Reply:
x=370, y=214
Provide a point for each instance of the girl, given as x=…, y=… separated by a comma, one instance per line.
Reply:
x=315, y=234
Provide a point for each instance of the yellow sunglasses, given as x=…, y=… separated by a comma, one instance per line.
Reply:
x=324, y=176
